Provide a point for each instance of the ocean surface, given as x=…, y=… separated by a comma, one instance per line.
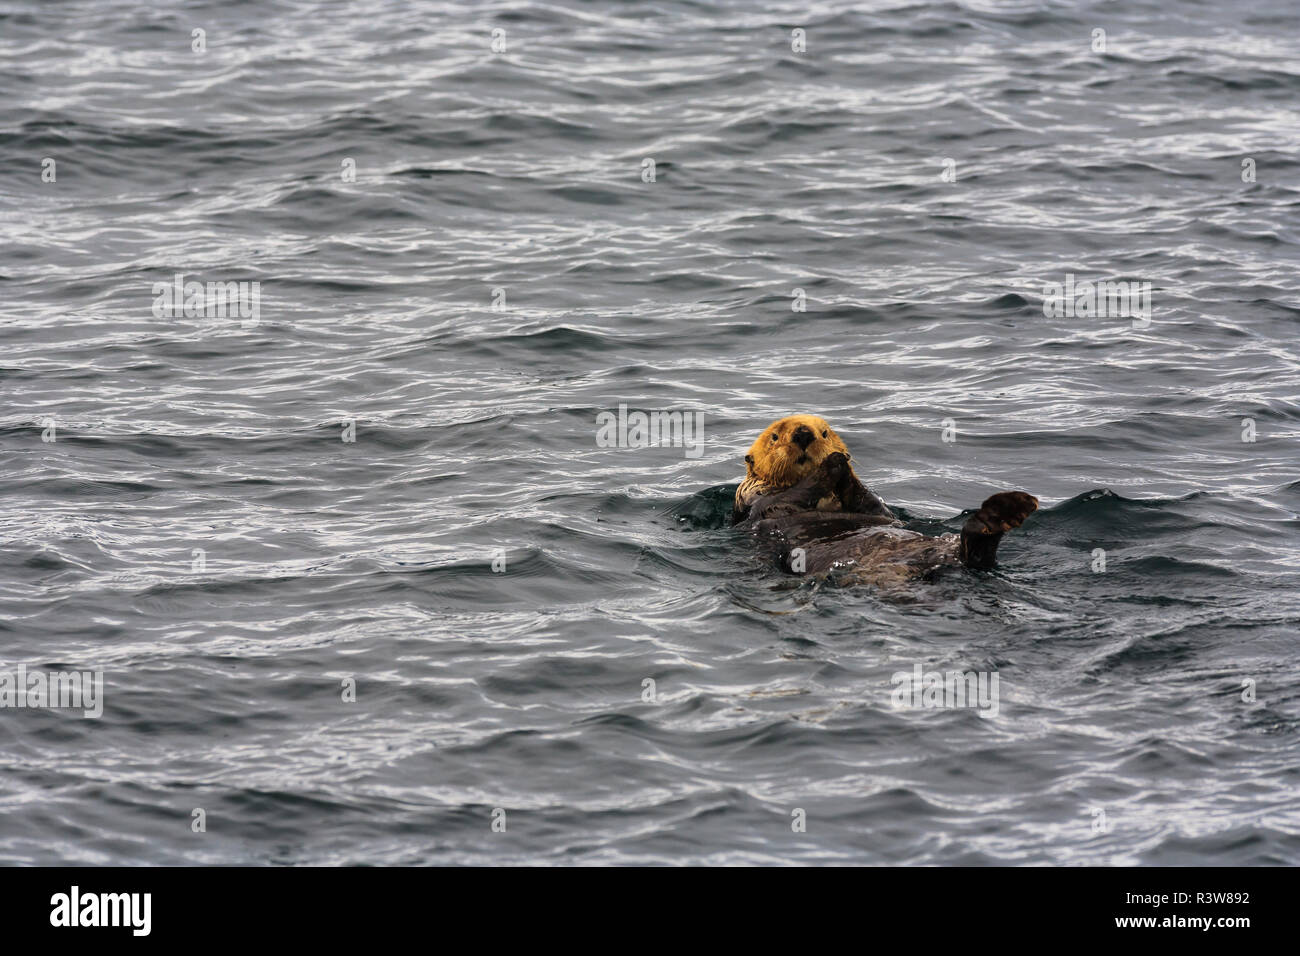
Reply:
x=363, y=586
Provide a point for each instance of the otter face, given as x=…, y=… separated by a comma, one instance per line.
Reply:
x=789, y=449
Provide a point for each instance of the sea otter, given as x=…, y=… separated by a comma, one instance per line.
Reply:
x=801, y=496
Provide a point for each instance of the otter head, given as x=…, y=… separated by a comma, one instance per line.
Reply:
x=788, y=450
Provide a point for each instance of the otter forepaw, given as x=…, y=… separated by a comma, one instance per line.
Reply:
x=835, y=466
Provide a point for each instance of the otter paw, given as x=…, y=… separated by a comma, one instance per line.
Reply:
x=1005, y=510
x=835, y=463
x=834, y=471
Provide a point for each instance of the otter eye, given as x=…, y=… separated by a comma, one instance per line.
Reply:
x=773, y=436
x=824, y=434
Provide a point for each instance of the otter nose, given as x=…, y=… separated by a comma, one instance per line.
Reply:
x=803, y=437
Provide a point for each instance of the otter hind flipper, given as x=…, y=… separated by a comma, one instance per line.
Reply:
x=983, y=530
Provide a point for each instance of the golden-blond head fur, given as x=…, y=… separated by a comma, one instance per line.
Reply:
x=779, y=459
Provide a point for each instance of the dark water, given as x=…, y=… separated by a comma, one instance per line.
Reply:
x=1122, y=736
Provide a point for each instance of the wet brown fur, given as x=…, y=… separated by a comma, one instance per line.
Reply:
x=804, y=500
